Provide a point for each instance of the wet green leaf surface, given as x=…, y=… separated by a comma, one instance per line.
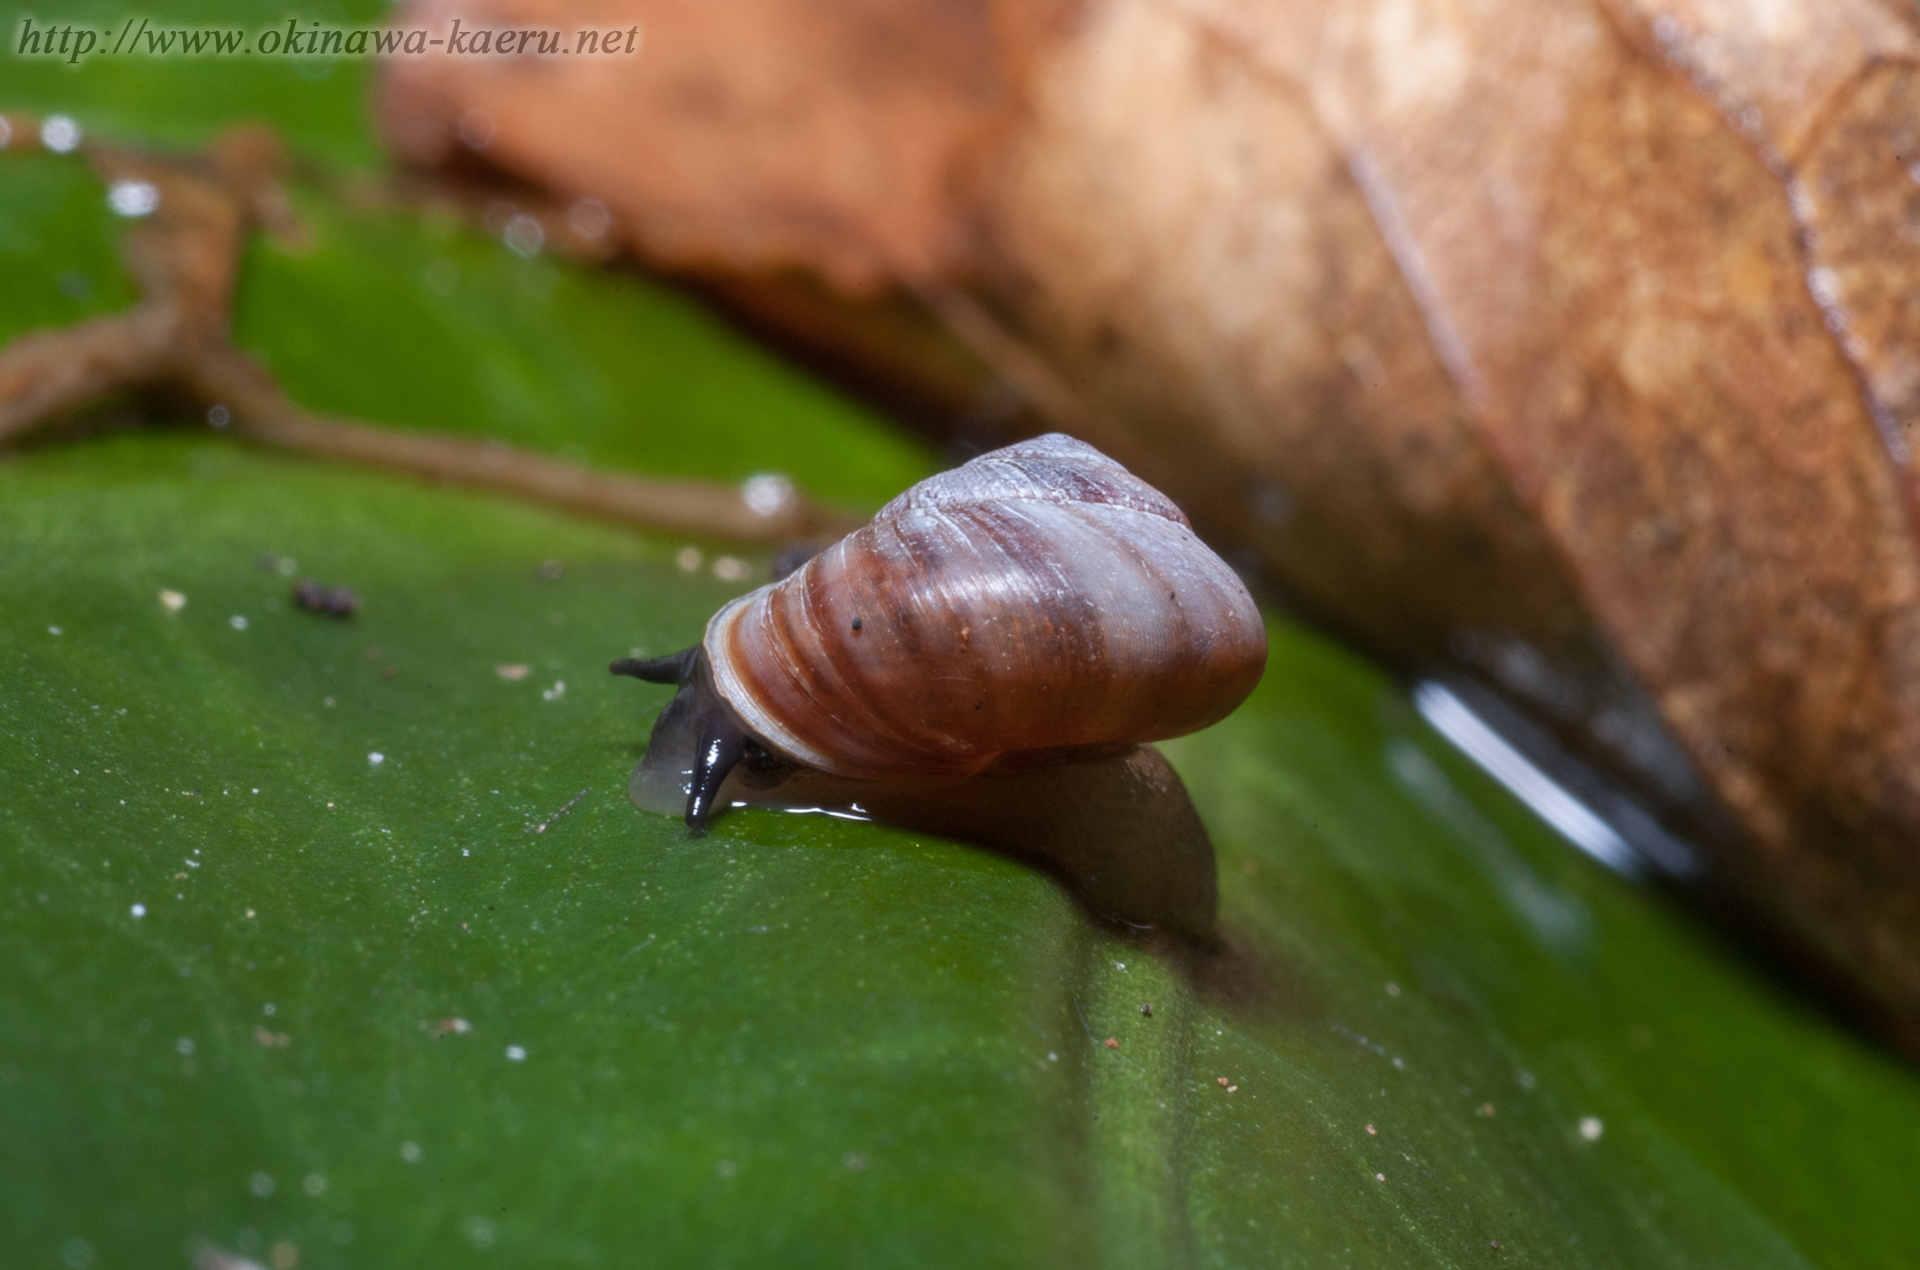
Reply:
x=369, y=1013
x=798, y=1039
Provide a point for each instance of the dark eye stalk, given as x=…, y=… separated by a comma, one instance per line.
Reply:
x=674, y=668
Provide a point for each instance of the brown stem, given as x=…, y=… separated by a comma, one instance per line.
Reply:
x=261, y=413
x=185, y=259
x=45, y=374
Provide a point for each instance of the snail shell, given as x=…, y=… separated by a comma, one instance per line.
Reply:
x=1037, y=599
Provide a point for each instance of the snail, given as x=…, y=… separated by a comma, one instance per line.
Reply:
x=1003, y=634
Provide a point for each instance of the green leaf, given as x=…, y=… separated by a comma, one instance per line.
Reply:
x=599, y=367
x=798, y=1041
x=56, y=245
x=320, y=105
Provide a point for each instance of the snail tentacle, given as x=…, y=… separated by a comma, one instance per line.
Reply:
x=674, y=668
x=723, y=743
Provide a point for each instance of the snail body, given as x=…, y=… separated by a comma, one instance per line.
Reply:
x=1037, y=604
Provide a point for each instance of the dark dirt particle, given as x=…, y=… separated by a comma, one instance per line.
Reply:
x=335, y=601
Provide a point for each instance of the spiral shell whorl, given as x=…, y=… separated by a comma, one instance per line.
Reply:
x=1036, y=598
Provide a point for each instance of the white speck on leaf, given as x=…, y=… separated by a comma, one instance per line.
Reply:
x=133, y=198
x=60, y=134
x=481, y=1232
x=767, y=494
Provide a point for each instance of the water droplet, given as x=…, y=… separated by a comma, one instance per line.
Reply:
x=590, y=218
x=477, y=129
x=524, y=236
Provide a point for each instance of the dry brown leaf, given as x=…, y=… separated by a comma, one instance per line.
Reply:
x=748, y=141
x=1577, y=341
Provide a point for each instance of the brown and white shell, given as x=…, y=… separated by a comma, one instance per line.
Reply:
x=1038, y=598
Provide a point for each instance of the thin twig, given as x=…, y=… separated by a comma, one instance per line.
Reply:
x=185, y=259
